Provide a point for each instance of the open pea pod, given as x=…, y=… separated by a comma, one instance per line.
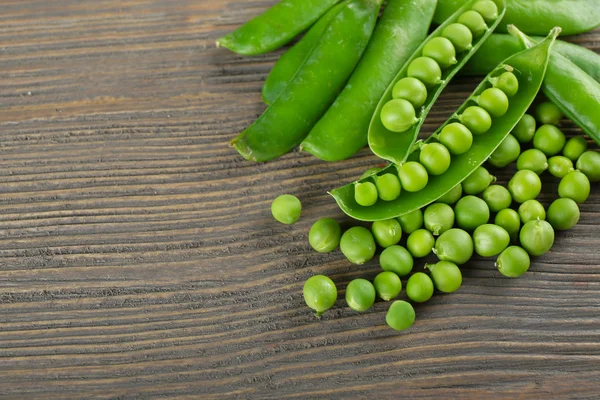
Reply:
x=529, y=66
x=394, y=146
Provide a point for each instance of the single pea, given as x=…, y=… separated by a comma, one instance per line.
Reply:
x=324, y=235
x=563, y=214
x=487, y=8
x=490, y=240
x=525, y=129
x=575, y=147
x=396, y=259
x=365, y=193
x=494, y=101
x=425, y=69
x=454, y=245
x=398, y=115
x=388, y=187
x=420, y=243
x=446, y=276
x=438, y=218
x=369, y=172
x=387, y=285
x=411, y=222
x=507, y=82
x=474, y=21
x=506, y=153
x=476, y=119
x=559, y=166
x=575, y=185
x=413, y=176
x=456, y=137
x=360, y=295
x=435, y=157
x=460, y=36
x=513, y=262
x=319, y=293
x=524, y=185
x=548, y=113
x=497, y=198
x=509, y=220
x=537, y=237
x=452, y=196
x=358, y=245
x=478, y=181
x=400, y=316
x=549, y=139
x=419, y=287
x=589, y=164
x=387, y=232
x=286, y=209
x=531, y=210
x=471, y=212
x=441, y=50
x=412, y=90
x=533, y=160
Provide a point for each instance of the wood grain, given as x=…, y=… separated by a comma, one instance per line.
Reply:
x=138, y=257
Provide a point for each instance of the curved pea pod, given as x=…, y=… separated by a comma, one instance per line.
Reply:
x=275, y=27
x=529, y=66
x=316, y=84
x=393, y=146
x=537, y=17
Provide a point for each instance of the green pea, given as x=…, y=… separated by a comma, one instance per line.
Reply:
x=589, y=164
x=548, y=113
x=533, y=160
x=507, y=82
x=419, y=287
x=513, y=262
x=525, y=129
x=456, y=137
x=441, y=50
x=319, y=293
x=497, y=198
x=549, y=139
x=369, y=172
x=531, y=210
x=508, y=152
x=420, y=243
x=360, y=295
x=412, y=90
x=452, y=196
x=365, y=193
x=559, y=166
x=509, y=220
x=563, y=214
x=575, y=185
x=400, y=316
x=413, y=176
x=476, y=119
x=471, y=212
x=537, y=237
x=478, y=181
x=487, y=8
x=524, y=185
x=398, y=115
x=425, y=69
x=454, y=245
x=460, y=36
x=575, y=147
x=324, y=235
x=387, y=285
x=494, y=101
x=446, y=276
x=396, y=259
x=435, y=157
x=490, y=240
x=286, y=209
x=358, y=245
x=411, y=222
x=474, y=21
x=438, y=218
x=388, y=187
x=387, y=232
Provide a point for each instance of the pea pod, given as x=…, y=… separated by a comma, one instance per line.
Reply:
x=537, y=17
x=529, y=66
x=289, y=119
x=393, y=146
x=275, y=27
x=342, y=131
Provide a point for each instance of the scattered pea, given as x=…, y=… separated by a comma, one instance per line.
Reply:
x=507, y=152
x=575, y=147
x=438, y=218
x=497, y=198
x=413, y=176
x=360, y=295
x=524, y=185
x=411, y=222
x=388, y=187
x=319, y=293
x=548, y=113
x=460, y=36
x=549, y=139
x=452, y=196
x=559, y=166
x=387, y=232
x=589, y=164
x=471, y=212
x=454, y=245
x=396, y=259
x=456, y=137
x=425, y=69
x=563, y=214
x=494, y=101
x=474, y=21
x=365, y=193
x=513, y=262
x=400, y=316
x=575, y=185
x=286, y=209
x=324, y=235
x=358, y=245
x=420, y=243
x=509, y=220
x=531, y=210
x=387, y=285
x=446, y=276
x=525, y=129
x=441, y=50
x=533, y=160
x=435, y=157
x=490, y=240
x=412, y=90
x=479, y=180
x=419, y=287
x=398, y=115
x=476, y=119
x=537, y=237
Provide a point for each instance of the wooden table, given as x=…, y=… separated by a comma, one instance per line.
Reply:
x=138, y=257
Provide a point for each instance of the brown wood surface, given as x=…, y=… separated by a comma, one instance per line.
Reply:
x=138, y=257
